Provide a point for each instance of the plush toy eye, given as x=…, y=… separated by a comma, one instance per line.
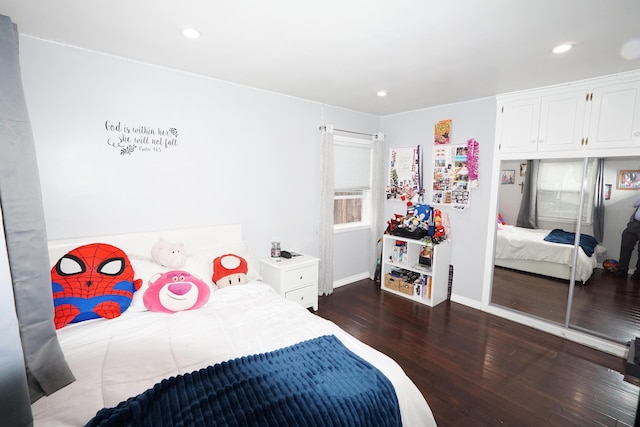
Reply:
x=174, y=278
x=182, y=278
x=69, y=265
x=112, y=266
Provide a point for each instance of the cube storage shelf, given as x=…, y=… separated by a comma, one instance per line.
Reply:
x=418, y=276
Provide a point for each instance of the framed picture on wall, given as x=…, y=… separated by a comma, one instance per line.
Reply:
x=629, y=179
x=607, y=191
x=523, y=169
x=508, y=177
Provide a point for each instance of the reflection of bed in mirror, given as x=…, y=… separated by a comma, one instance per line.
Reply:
x=527, y=250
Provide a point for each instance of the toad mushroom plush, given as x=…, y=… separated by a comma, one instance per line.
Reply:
x=229, y=270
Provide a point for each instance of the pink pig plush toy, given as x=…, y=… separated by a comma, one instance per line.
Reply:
x=175, y=290
x=229, y=270
x=168, y=254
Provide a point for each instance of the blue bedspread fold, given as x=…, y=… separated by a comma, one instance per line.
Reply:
x=318, y=382
x=587, y=243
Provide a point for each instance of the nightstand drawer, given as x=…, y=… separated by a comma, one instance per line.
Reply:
x=296, y=278
x=307, y=296
x=299, y=277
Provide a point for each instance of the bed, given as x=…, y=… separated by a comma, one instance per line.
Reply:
x=527, y=250
x=117, y=362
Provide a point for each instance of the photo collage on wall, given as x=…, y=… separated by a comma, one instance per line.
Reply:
x=450, y=176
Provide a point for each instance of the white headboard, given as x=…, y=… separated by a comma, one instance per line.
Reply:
x=194, y=239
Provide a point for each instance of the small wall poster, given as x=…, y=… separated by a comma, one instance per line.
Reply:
x=443, y=132
x=404, y=173
x=508, y=177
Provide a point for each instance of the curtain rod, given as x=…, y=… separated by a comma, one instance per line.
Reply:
x=348, y=131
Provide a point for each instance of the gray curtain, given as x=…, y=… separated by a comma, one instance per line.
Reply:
x=24, y=228
x=527, y=216
x=598, y=203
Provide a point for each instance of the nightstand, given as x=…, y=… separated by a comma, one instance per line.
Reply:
x=295, y=278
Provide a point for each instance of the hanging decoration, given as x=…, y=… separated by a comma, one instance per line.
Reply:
x=472, y=162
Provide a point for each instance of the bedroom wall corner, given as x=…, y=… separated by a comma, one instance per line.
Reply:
x=471, y=119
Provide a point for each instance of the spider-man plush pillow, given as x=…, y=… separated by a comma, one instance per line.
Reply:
x=90, y=282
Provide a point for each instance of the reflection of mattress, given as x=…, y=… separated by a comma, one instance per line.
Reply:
x=525, y=249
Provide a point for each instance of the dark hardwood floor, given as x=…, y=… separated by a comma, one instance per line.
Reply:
x=476, y=369
x=606, y=304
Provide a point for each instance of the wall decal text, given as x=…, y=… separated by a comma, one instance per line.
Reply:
x=131, y=138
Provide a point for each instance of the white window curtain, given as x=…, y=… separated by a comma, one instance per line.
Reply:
x=325, y=279
x=559, y=187
x=352, y=165
x=327, y=201
x=377, y=189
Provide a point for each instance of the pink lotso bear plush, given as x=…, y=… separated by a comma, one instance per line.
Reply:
x=229, y=270
x=175, y=290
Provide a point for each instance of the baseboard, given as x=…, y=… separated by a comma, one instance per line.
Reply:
x=606, y=346
x=466, y=301
x=351, y=279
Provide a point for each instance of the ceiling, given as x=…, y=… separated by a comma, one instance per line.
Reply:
x=341, y=52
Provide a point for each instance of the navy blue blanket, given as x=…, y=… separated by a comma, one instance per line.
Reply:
x=318, y=382
x=587, y=243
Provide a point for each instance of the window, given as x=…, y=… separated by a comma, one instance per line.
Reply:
x=559, y=185
x=352, y=185
x=347, y=207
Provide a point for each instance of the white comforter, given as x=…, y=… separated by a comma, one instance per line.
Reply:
x=529, y=244
x=119, y=358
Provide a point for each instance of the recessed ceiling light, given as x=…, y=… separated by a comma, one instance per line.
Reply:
x=191, y=33
x=631, y=49
x=562, y=48
x=382, y=93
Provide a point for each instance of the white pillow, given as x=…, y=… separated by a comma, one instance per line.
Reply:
x=144, y=268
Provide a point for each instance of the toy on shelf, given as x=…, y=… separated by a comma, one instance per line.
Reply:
x=421, y=221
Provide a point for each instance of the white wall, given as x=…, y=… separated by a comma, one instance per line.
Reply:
x=472, y=119
x=242, y=155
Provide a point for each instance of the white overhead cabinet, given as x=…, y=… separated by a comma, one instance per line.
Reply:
x=615, y=116
x=591, y=117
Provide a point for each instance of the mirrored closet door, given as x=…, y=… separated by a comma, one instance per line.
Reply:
x=542, y=204
x=609, y=306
